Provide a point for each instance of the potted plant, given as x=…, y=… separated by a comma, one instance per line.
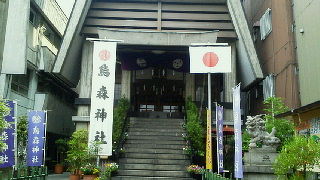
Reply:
x=90, y=172
x=110, y=168
x=195, y=171
x=61, y=150
x=77, y=155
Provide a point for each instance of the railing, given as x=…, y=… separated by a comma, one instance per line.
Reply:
x=25, y=173
x=117, y=151
x=213, y=176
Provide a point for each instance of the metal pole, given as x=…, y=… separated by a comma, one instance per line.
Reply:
x=209, y=91
x=45, y=139
x=209, y=136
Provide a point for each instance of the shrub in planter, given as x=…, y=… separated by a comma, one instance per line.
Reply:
x=77, y=155
x=62, y=146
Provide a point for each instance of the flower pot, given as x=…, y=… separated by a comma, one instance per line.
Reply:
x=58, y=169
x=89, y=177
x=74, y=177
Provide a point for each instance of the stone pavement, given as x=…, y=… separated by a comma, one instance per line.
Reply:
x=64, y=176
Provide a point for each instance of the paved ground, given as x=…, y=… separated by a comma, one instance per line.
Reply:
x=64, y=176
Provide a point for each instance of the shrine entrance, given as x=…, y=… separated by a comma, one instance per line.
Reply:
x=157, y=76
x=158, y=89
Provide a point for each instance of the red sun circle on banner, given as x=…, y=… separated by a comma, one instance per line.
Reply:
x=210, y=59
x=104, y=55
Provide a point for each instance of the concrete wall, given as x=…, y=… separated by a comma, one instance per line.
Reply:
x=59, y=114
x=277, y=51
x=3, y=22
x=306, y=15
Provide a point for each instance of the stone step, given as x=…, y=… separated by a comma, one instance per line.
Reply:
x=149, y=173
x=155, y=119
x=152, y=167
x=155, y=156
x=156, y=138
x=155, y=126
x=148, y=141
x=135, y=178
x=154, y=161
x=177, y=123
x=165, y=130
x=155, y=151
x=154, y=146
x=144, y=133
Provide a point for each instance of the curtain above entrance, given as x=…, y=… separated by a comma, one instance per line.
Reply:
x=131, y=61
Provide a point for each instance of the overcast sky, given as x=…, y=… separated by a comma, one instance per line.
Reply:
x=66, y=6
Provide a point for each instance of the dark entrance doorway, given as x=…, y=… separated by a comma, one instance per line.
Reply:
x=158, y=76
x=158, y=89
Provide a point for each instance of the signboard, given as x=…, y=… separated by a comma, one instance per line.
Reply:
x=7, y=157
x=102, y=95
x=238, y=169
x=210, y=59
x=36, y=138
x=208, y=143
x=219, y=123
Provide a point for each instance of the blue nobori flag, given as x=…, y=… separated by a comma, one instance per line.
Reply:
x=238, y=167
x=36, y=138
x=7, y=156
x=219, y=123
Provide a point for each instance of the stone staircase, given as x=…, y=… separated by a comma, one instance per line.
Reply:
x=153, y=150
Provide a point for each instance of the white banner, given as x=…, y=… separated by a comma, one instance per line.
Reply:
x=102, y=95
x=210, y=59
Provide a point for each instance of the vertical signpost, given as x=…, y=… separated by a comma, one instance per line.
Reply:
x=36, y=138
x=102, y=96
x=238, y=169
x=210, y=59
x=219, y=130
x=8, y=136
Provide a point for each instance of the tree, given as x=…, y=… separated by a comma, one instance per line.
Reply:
x=301, y=153
x=284, y=127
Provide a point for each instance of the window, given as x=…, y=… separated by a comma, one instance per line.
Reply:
x=20, y=83
x=265, y=24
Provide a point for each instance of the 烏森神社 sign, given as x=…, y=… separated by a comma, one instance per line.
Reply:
x=210, y=59
x=7, y=156
x=36, y=138
x=102, y=96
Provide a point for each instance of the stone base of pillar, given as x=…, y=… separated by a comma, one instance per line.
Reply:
x=258, y=164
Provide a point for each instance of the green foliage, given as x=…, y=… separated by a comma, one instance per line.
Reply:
x=119, y=115
x=22, y=137
x=4, y=111
x=195, y=129
x=301, y=153
x=284, y=127
x=245, y=141
x=77, y=155
x=62, y=148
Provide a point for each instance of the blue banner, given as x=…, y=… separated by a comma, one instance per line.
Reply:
x=36, y=138
x=8, y=136
x=238, y=167
x=219, y=123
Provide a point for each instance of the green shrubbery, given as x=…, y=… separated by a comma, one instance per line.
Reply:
x=195, y=129
x=119, y=116
x=284, y=127
x=297, y=156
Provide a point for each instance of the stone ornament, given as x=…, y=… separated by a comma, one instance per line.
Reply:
x=257, y=130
